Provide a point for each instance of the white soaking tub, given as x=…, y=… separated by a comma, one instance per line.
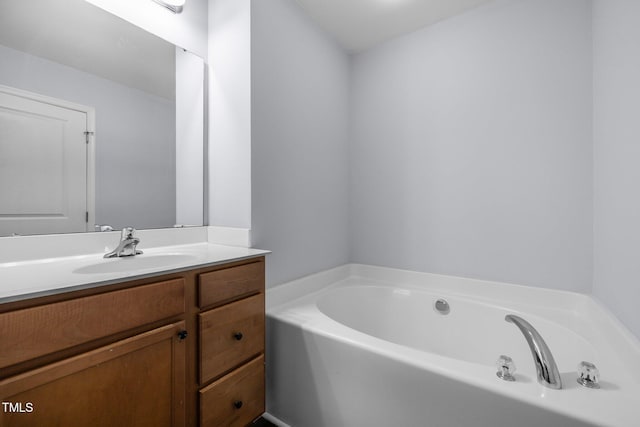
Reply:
x=365, y=346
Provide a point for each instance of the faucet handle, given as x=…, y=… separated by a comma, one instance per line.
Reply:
x=589, y=375
x=128, y=232
x=506, y=368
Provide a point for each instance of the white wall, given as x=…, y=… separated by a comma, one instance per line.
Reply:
x=300, y=87
x=135, y=134
x=190, y=95
x=472, y=152
x=617, y=157
x=230, y=113
x=187, y=29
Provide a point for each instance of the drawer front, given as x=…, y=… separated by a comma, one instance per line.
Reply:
x=235, y=399
x=220, y=286
x=37, y=331
x=230, y=335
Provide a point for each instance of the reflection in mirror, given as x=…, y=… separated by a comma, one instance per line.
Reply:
x=101, y=123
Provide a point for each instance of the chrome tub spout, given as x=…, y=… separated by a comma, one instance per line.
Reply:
x=548, y=374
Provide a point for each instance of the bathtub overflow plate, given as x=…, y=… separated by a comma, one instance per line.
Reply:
x=442, y=307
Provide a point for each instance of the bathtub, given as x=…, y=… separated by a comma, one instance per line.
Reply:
x=365, y=346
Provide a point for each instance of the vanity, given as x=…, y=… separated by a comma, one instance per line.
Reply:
x=98, y=140
x=174, y=346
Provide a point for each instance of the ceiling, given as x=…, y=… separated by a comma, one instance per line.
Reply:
x=77, y=34
x=102, y=43
x=361, y=24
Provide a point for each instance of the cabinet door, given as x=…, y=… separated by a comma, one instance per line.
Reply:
x=137, y=382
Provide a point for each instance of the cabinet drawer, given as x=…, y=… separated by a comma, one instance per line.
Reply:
x=235, y=399
x=231, y=283
x=37, y=331
x=230, y=335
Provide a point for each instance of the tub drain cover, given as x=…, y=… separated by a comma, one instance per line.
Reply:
x=442, y=307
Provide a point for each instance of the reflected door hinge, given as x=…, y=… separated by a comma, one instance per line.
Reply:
x=86, y=217
x=88, y=135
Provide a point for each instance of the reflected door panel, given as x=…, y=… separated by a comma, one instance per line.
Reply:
x=43, y=166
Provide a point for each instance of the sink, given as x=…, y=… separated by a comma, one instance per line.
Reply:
x=138, y=262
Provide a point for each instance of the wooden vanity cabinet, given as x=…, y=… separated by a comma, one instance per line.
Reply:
x=150, y=352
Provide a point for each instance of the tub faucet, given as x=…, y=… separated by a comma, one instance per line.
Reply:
x=548, y=374
x=127, y=245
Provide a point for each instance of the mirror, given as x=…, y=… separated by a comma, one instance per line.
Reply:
x=101, y=123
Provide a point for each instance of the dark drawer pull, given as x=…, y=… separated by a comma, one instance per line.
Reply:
x=238, y=336
x=237, y=404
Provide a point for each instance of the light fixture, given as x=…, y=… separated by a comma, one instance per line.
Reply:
x=174, y=6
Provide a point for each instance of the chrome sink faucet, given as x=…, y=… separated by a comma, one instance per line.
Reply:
x=127, y=245
x=548, y=374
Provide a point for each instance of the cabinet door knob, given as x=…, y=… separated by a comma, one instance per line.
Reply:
x=238, y=336
x=182, y=335
x=237, y=404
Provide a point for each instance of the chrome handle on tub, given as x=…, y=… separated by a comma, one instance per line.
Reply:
x=506, y=368
x=589, y=375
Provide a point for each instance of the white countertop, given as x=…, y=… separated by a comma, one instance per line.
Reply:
x=35, y=278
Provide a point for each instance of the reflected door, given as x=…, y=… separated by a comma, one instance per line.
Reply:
x=43, y=165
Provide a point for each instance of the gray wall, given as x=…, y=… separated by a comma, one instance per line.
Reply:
x=471, y=148
x=135, y=134
x=300, y=88
x=617, y=157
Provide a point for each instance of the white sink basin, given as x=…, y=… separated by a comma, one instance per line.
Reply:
x=133, y=263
